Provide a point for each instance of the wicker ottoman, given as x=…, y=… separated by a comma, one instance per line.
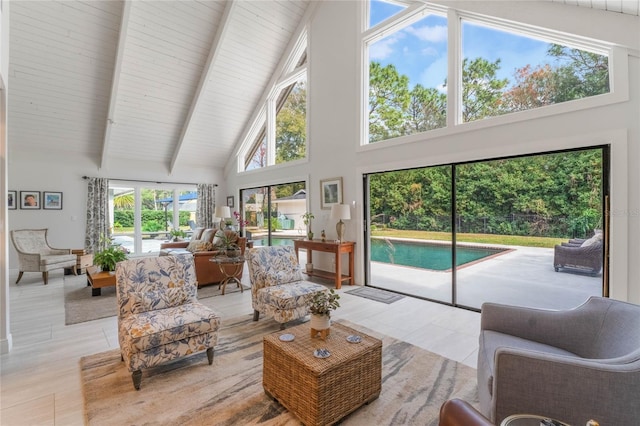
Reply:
x=321, y=391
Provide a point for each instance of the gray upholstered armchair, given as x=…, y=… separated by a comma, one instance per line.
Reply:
x=36, y=255
x=571, y=365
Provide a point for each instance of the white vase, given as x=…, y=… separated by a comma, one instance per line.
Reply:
x=320, y=322
x=309, y=267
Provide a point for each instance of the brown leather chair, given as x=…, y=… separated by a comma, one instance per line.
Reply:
x=456, y=412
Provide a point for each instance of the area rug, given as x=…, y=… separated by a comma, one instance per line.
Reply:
x=415, y=383
x=80, y=306
x=376, y=294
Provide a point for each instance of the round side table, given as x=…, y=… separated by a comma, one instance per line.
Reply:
x=530, y=420
x=230, y=267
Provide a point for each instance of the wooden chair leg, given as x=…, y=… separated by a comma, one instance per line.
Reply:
x=45, y=277
x=210, y=355
x=19, y=276
x=137, y=378
x=256, y=315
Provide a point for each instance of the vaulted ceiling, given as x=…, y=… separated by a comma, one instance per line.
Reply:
x=170, y=82
x=174, y=83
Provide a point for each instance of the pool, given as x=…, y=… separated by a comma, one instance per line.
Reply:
x=274, y=242
x=426, y=255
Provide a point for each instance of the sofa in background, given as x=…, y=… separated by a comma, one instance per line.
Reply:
x=203, y=246
x=572, y=365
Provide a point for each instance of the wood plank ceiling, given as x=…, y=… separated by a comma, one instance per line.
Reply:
x=173, y=83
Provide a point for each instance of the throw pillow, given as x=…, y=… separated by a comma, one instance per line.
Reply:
x=592, y=241
x=197, y=234
x=199, y=245
x=158, y=299
x=208, y=235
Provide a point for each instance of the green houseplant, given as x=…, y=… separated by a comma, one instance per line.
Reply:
x=227, y=242
x=177, y=234
x=322, y=303
x=306, y=219
x=109, y=255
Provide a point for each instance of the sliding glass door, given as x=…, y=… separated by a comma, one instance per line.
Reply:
x=468, y=233
x=142, y=217
x=274, y=213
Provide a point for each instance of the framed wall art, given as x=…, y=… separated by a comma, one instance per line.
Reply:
x=230, y=201
x=12, y=197
x=330, y=192
x=52, y=200
x=30, y=200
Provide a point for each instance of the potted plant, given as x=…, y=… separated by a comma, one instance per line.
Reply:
x=322, y=303
x=227, y=242
x=109, y=255
x=177, y=234
x=306, y=219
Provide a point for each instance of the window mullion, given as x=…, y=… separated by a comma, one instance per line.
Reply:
x=454, y=69
x=271, y=132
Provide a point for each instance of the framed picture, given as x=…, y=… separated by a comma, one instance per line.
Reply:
x=30, y=200
x=230, y=201
x=52, y=200
x=330, y=192
x=12, y=196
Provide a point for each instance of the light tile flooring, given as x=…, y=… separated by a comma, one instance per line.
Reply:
x=40, y=377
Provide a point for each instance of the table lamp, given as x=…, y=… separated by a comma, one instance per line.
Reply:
x=223, y=212
x=340, y=212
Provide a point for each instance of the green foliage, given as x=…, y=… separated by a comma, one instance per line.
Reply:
x=389, y=97
x=109, y=255
x=481, y=90
x=324, y=302
x=125, y=217
x=291, y=124
x=542, y=195
x=152, y=226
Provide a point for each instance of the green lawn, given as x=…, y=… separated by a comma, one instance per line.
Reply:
x=509, y=240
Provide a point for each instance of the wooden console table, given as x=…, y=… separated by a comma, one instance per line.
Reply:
x=329, y=247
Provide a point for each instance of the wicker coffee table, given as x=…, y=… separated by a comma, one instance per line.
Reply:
x=321, y=391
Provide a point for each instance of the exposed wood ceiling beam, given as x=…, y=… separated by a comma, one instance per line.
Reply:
x=204, y=78
x=115, y=81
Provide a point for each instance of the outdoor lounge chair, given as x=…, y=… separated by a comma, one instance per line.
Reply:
x=584, y=255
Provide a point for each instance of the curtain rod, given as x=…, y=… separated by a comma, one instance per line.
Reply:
x=152, y=181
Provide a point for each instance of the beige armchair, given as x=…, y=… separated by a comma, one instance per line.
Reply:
x=36, y=255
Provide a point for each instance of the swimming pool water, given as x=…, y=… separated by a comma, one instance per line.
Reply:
x=425, y=255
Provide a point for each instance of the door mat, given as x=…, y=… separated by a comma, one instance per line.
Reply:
x=376, y=294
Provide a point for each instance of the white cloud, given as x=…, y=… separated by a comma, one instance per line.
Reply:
x=435, y=34
x=384, y=48
x=430, y=51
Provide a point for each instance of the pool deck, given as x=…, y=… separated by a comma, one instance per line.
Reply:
x=521, y=276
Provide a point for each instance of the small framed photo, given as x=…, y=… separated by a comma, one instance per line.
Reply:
x=330, y=192
x=30, y=200
x=52, y=200
x=12, y=196
x=230, y=201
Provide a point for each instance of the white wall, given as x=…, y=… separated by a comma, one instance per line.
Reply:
x=333, y=114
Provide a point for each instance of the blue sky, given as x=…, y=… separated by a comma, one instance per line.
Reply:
x=420, y=50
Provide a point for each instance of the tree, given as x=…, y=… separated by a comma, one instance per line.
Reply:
x=580, y=74
x=389, y=97
x=291, y=125
x=481, y=90
x=533, y=88
x=427, y=110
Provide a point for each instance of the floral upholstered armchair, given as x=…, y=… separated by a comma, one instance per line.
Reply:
x=159, y=316
x=277, y=287
x=36, y=255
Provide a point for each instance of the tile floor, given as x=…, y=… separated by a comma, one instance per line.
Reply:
x=40, y=377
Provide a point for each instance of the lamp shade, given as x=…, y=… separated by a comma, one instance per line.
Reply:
x=223, y=212
x=340, y=212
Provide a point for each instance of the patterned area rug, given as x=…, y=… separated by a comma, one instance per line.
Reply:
x=415, y=383
x=376, y=294
x=80, y=306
